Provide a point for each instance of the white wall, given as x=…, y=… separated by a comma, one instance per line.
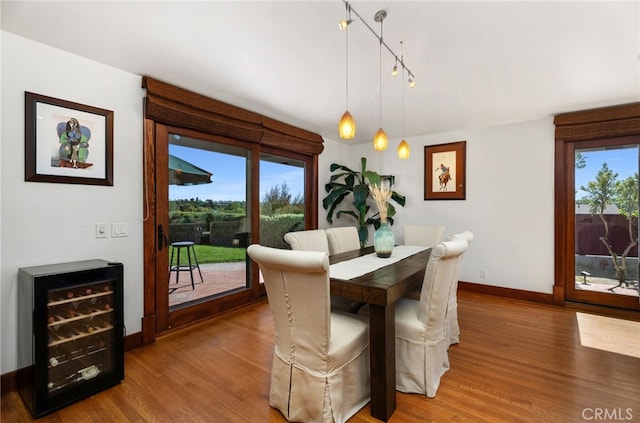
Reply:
x=334, y=152
x=46, y=223
x=509, y=204
x=509, y=200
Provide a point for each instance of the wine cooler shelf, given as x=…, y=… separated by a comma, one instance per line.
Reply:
x=79, y=313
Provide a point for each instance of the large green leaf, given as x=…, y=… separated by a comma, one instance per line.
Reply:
x=346, y=182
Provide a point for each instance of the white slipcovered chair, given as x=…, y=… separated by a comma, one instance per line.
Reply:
x=310, y=240
x=421, y=337
x=453, y=328
x=318, y=240
x=343, y=239
x=320, y=369
x=424, y=235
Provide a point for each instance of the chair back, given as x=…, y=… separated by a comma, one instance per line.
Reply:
x=423, y=235
x=436, y=287
x=467, y=236
x=311, y=240
x=297, y=285
x=342, y=239
x=453, y=328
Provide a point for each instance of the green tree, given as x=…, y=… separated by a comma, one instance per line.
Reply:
x=581, y=161
x=279, y=200
x=607, y=190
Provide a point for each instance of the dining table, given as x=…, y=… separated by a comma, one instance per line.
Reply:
x=362, y=276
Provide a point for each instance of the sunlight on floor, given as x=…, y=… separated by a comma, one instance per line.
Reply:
x=609, y=334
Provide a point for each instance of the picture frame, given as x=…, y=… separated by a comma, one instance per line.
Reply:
x=67, y=142
x=445, y=171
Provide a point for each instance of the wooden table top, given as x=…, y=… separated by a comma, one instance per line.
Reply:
x=382, y=286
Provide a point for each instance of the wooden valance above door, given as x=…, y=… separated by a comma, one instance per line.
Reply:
x=172, y=105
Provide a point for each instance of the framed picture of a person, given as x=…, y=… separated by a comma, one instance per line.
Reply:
x=67, y=142
x=444, y=171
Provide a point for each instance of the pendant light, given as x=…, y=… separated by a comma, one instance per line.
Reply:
x=347, y=124
x=380, y=140
x=403, y=148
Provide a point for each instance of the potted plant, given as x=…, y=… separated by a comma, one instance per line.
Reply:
x=347, y=182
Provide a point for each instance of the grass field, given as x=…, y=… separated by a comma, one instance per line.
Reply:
x=212, y=254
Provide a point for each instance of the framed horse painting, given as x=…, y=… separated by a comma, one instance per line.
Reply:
x=444, y=171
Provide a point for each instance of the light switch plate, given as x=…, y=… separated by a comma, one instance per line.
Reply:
x=101, y=230
x=119, y=229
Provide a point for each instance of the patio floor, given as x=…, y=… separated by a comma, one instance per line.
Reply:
x=217, y=278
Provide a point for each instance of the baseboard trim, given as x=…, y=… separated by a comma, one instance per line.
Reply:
x=499, y=291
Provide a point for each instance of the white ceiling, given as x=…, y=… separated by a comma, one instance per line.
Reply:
x=476, y=63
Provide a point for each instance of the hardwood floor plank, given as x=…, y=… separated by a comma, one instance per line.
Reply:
x=517, y=362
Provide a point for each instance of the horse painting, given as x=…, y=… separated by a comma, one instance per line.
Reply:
x=444, y=177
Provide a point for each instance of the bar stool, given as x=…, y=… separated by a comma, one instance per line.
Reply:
x=188, y=247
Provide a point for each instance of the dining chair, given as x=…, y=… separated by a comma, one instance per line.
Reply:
x=343, y=239
x=421, y=338
x=309, y=240
x=320, y=368
x=453, y=328
x=317, y=240
x=423, y=235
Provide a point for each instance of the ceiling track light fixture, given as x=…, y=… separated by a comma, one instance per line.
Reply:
x=347, y=124
x=412, y=78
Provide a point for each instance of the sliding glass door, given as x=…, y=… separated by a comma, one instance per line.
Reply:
x=282, y=198
x=213, y=197
x=606, y=223
x=208, y=207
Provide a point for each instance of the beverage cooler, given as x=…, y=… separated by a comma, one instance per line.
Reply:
x=70, y=332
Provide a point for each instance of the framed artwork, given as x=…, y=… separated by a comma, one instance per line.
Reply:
x=444, y=171
x=67, y=142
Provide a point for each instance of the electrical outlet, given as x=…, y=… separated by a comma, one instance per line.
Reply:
x=483, y=273
x=101, y=230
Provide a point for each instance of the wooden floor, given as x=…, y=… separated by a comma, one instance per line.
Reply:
x=516, y=362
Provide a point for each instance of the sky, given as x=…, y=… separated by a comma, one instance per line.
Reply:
x=229, y=178
x=624, y=162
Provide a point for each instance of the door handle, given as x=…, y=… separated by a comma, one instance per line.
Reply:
x=162, y=238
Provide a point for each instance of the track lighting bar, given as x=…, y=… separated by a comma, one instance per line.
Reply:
x=399, y=60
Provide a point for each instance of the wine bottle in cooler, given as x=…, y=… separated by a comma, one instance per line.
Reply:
x=103, y=304
x=85, y=307
x=57, y=355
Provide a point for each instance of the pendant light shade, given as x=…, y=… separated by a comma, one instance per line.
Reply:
x=380, y=140
x=403, y=147
x=403, y=150
x=347, y=126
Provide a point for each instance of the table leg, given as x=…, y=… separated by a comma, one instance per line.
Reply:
x=382, y=349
